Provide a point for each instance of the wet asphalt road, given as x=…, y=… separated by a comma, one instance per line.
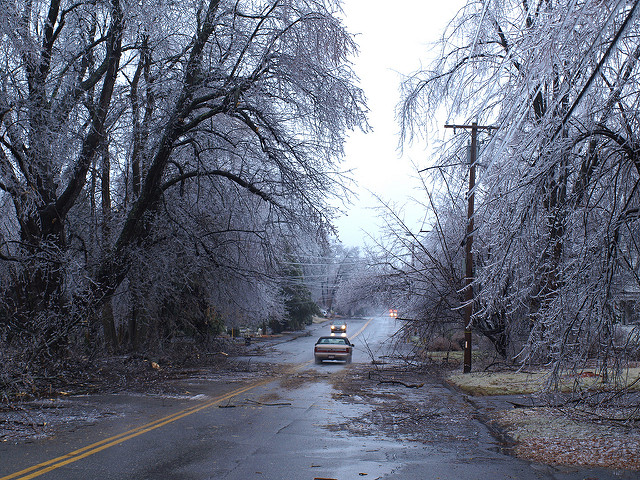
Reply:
x=257, y=427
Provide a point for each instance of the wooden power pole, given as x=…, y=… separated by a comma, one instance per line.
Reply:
x=469, y=273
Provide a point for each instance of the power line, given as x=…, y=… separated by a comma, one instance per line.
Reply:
x=522, y=106
x=485, y=7
x=604, y=58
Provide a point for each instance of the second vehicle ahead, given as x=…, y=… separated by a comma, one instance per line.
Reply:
x=339, y=327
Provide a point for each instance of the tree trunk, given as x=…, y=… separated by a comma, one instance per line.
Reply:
x=109, y=327
x=108, y=322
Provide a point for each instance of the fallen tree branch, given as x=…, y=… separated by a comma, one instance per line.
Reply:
x=408, y=385
x=521, y=405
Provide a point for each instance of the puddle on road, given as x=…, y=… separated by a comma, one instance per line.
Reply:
x=39, y=419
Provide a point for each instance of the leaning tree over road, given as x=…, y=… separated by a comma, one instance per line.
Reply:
x=557, y=217
x=119, y=117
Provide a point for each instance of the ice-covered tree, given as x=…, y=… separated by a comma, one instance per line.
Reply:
x=556, y=239
x=204, y=132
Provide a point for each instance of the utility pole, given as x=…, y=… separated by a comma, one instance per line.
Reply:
x=468, y=243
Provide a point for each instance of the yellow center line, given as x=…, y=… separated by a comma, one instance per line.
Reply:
x=353, y=336
x=55, y=463
x=94, y=448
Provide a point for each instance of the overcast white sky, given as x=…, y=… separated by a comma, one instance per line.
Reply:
x=394, y=39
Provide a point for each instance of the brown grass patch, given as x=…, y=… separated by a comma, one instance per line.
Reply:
x=555, y=437
x=514, y=383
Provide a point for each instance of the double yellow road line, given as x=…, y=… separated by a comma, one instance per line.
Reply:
x=49, y=465
x=44, y=467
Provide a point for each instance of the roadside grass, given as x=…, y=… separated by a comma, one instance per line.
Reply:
x=530, y=382
x=604, y=437
x=498, y=383
x=557, y=437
